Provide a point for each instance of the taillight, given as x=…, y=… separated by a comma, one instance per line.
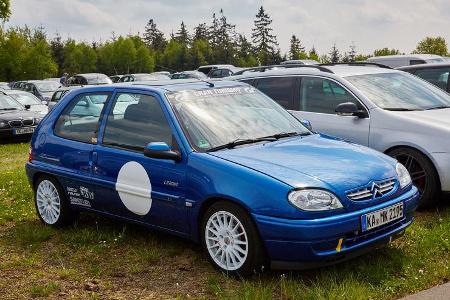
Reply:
x=30, y=154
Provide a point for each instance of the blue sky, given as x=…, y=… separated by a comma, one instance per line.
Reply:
x=369, y=24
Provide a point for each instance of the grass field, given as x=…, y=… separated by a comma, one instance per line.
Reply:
x=99, y=258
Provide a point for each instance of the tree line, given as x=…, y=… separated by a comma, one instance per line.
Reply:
x=27, y=53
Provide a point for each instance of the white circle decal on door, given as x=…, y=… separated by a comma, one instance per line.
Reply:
x=134, y=188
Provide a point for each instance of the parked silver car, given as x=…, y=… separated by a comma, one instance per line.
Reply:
x=389, y=110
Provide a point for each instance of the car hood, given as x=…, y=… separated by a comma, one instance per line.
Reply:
x=40, y=108
x=316, y=161
x=18, y=114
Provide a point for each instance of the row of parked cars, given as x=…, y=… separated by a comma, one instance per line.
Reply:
x=288, y=166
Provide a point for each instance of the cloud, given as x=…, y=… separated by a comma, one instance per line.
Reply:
x=369, y=24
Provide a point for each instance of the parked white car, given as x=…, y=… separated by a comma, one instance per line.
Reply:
x=389, y=110
x=395, y=61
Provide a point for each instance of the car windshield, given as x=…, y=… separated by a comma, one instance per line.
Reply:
x=25, y=99
x=48, y=86
x=8, y=103
x=214, y=117
x=400, y=91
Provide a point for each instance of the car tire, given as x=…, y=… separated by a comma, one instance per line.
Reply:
x=235, y=249
x=423, y=174
x=51, y=202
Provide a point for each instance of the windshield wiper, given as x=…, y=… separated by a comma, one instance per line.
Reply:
x=240, y=142
x=438, y=107
x=288, y=134
x=402, y=109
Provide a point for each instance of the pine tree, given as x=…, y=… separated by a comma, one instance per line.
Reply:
x=153, y=37
x=182, y=35
x=263, y=39
x=296, y=50
x=313, y=54
x=335, y=57
x=201, y=32
x=352, y=53
x=213, y=31
x=225, y=48
x=57, y=48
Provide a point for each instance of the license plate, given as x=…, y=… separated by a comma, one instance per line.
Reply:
x=26, y=130
x=382, y=217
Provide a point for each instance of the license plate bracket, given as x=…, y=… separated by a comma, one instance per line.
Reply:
x=382, y=217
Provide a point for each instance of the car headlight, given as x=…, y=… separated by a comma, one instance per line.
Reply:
x=3, y=124
x=403, y=175
x=314, y=200
x=37, y=120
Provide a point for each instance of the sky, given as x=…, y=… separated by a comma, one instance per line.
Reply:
x=369, y=24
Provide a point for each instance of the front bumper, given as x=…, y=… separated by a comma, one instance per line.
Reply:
x=303, y=244
x=8, y=134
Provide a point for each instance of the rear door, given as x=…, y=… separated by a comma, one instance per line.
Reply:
x=69, y=148
x=137, y=187
x=319, y=98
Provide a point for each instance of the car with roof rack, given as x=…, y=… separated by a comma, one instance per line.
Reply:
x=373, y=105
x=300, y=62
x=143, y=77
x=436, y=74
x=88, y=79
x=395, y=61
x=222, y=164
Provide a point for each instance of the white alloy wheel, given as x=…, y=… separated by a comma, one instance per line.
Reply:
x=48, y=202
x=226, y=240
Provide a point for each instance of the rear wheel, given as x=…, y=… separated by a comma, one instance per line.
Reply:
x=231, y=240
x=423, y=174
x=51, y=203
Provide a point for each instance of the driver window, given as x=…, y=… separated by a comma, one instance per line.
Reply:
x=134, y=121
x=320, y=95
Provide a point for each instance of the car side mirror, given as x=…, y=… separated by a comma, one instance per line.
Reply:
x=161, y=150
x=350, y=109
x=27, y=106
x=307, y=124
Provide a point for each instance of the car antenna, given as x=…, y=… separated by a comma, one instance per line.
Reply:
x=210, y=84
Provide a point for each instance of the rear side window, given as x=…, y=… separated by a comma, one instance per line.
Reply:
x=57, y=96
x=216, y=74
x=323, y=96
x=280, y=89
x=134, y=121
x=79, y=120
x=438, y=77
x=417, y=62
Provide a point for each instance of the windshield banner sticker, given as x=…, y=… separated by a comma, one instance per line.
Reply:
x=240, y=90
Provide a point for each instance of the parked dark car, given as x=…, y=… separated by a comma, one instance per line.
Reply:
x=143, y=77
x=189, y=75
x=223, y=72
x=115, y=78
x=16, y=122
x=26, y=98
x=89, y=79
x=43, y=89
x=17, y=85
x=436, y=74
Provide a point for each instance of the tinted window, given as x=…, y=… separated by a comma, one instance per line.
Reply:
x=56, y=96
x=135, y=121
x=416, y=62
x=280, y=89
x=79, y=121
x=323, y=96
x=438, y=77
x=216, y=74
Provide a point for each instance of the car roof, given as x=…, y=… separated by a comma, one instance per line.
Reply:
x=425, y=66
x=418, y=56
x=90, y=75
x=337, y=70
x=9, y=92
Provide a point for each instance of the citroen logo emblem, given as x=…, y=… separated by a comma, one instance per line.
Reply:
x=375, y=190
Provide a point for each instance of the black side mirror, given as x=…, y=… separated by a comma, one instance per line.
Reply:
x=350, y=109
x=161, y=150
x=27, y=106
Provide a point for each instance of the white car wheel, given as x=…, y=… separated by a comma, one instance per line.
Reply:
x=48, y=202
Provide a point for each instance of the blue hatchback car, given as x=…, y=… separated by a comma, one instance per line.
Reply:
x=222, y=164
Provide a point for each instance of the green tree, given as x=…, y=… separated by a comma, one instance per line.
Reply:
x=313, y=54
x=201, y=53
x=385, y=52
x=334, y=54
x=153, y=37
x=182, y=35
x=38, y=62
x=57, y=49
x=5, y=10
x=432, y=45
x=245, y=56
x=145, y=62
x=296, y=50
x=264, y=41
x=201, y=32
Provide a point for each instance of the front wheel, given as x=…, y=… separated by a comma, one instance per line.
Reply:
x=423, y=174
x=231, y=240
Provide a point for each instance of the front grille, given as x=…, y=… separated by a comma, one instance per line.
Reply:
x=15, y=123
x=374, y=190
x=28, y=122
